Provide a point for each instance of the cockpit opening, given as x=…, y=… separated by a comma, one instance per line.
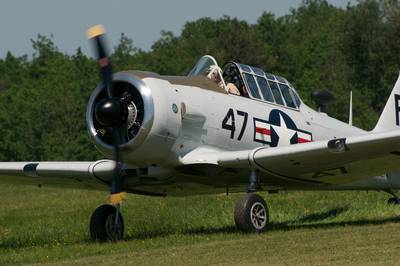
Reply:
x=246, y=81
x=234, y=81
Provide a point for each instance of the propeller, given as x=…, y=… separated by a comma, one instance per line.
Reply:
x=111, y=112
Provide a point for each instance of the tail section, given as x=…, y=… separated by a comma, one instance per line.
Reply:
x=390, y=117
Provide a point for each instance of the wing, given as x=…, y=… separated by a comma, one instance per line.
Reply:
x=336, y=161
x=89, y=175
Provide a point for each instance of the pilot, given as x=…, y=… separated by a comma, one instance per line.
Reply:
x=213, y=74
x=232, y=89
x=243, y=92
x=231, y=86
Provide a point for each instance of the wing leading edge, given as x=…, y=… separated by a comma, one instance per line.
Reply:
x=67, y=174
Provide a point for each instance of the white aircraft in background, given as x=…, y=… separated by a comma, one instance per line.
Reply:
x=187, y=136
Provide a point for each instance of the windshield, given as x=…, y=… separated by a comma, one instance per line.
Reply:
x=202, y=67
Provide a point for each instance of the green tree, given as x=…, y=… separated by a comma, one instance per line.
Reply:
x=317, y=46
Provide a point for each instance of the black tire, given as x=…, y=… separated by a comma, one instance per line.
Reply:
x=102, y=224
x=251, y=213
x=393, y=201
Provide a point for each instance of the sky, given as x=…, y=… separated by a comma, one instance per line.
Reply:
x=142, y=21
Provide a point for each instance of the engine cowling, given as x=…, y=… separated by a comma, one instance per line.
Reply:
x=153, y=121
x=138, y=98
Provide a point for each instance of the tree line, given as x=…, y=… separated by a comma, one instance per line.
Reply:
x=43, y=97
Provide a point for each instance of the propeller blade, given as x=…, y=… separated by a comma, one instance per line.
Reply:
x=110, y=112
x=97, y=35
x=116, y=196
x=116, y=181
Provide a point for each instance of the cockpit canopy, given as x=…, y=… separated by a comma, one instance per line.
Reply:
x=251, y=82
x=202, y=67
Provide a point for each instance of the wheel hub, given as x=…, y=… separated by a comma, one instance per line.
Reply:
x=113, y=229
x=258, y=215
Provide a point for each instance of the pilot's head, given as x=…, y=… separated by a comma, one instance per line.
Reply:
x=213, y=73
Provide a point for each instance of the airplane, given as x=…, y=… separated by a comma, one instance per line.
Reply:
x=194, y=134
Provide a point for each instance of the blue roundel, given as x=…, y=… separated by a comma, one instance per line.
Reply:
x=275, y=120
x=279, y=130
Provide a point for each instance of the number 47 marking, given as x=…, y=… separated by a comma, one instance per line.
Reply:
x=229, y=122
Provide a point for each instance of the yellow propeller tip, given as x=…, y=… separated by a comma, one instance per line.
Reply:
x=95, y=31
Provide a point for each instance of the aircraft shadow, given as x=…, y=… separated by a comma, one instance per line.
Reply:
x=306, y=222
x=310, y=221
x=319, y=216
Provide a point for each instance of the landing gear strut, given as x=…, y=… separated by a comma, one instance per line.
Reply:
x=395, y=200
x=106, y=224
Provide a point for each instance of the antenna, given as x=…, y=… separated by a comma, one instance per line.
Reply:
x=351, y=109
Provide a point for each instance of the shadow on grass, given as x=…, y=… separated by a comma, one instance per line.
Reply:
x=314, y=217
x=286, y=226
x=232, y=229
x=306, y=222
x=297, y=224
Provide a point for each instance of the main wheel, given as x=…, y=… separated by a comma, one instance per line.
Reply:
x=251, y=213
x=103, y=226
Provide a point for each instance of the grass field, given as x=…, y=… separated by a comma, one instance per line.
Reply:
x=48, y=225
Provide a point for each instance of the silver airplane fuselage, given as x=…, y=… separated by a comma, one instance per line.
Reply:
x=189, y=115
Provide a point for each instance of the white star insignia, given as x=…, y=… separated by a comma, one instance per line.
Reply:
x=285, y=134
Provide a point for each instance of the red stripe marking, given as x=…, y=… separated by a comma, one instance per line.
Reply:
x=300, y=140
x=263, y=131
x=103, y=62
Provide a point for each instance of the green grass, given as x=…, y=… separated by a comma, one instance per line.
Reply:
x=39, y=225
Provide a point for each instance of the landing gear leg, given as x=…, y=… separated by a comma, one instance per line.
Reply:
x=395, y=200
x=106, y=223
x=254, y=182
